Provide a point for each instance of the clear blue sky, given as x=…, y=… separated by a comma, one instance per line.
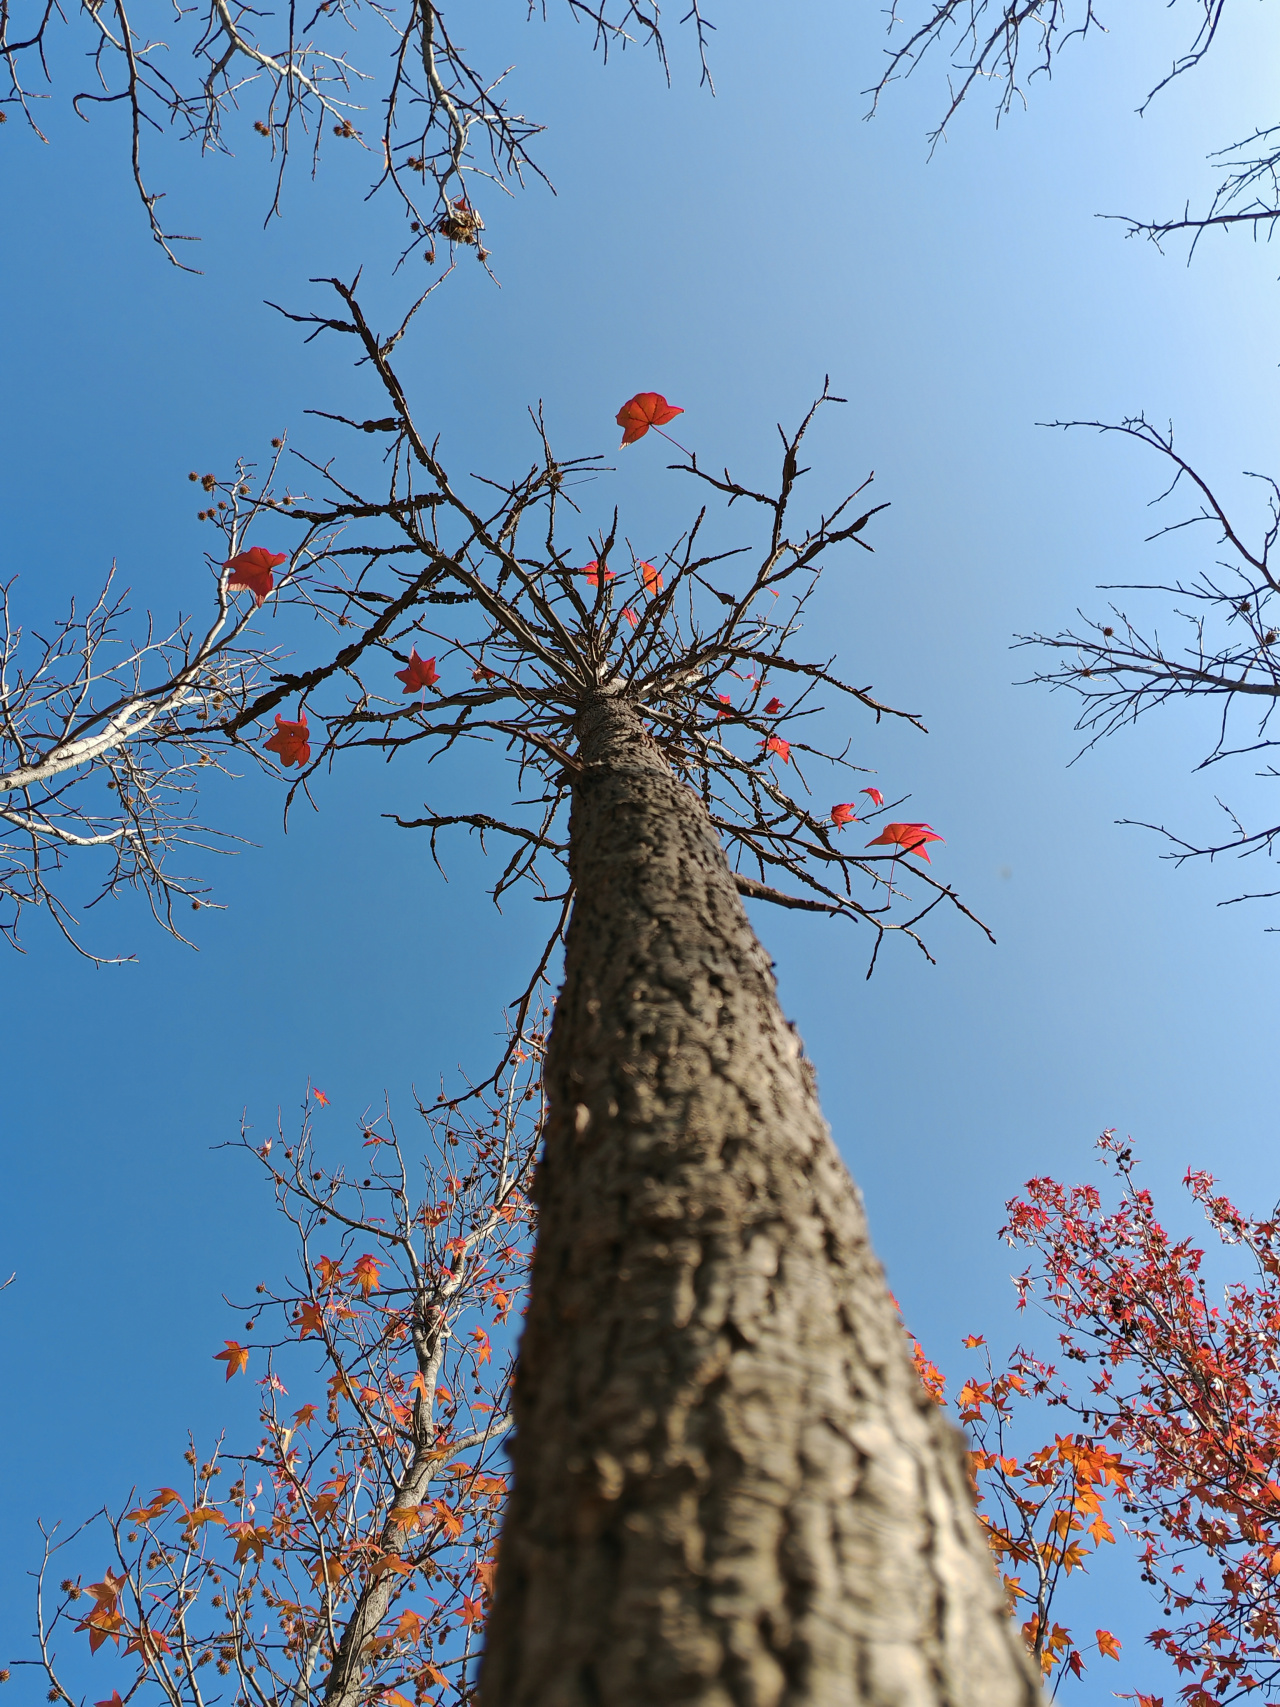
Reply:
x=728, y=253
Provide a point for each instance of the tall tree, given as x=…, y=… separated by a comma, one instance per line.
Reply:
x=729, y=1484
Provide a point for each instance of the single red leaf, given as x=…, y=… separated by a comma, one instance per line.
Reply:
x=775, y=744
x=909, y=837
x=252, y=569
x=875, y=795
x=236, y=1358
x=291, y=741
x=843, y=814
x=646, y=409
x=774, y=705
x=421, y=673
x=321, y=1098
x=592, y=573
x=651, y=577
x=630, y=615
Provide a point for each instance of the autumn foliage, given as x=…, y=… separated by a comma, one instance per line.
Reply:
x=344, y=1553
x=1174, y=1396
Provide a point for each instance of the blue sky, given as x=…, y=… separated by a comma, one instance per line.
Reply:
x=729, y=253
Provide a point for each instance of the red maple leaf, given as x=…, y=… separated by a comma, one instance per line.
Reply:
x=592, y=573
x=252, y=569
x=421, y=673
x=910, y=838
x=321, y=1098
x=775, y=744
x=291, y=741
x=875, y=795
x=844, y=814
x=630, y=615
x=727, y=703
x=236, y=1357
x=646, y=409
x=651, y=577
x=774, y=705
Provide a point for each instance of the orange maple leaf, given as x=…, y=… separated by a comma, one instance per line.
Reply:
x=252, y=569
x=365, y=1270
x=909, y=838
x=420, y=673
x=249, y=1540
x=321, y=1098
x=104, y=1622
x=651, y=578
x=329, y=1272
x=409, y=1627
x=646, y=409
x=159, y=1500
x=309, y=1319
x=775, y=744
x=843, y=814
x=1108, y=1645
x=482, y=1345
x=236, y=1358
x=202, y=1514
x=450, y=1522
x=291, y=741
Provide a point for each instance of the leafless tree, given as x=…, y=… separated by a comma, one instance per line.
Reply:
x=103, y=732
x=1227, y=648
x=1005, y=44
x=403, y=87
x=729, y=1485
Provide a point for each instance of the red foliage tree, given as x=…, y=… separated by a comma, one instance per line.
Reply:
x=1177, y=1397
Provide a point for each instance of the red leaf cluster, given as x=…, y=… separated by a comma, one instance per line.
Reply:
x=1188, y=1391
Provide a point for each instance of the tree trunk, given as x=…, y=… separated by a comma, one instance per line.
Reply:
x=730, y=1489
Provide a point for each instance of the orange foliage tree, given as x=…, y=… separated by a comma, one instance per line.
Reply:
x=349, y=1547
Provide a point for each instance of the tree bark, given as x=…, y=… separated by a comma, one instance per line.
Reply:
x=730, y=1489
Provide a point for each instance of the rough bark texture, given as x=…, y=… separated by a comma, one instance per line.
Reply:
x=730, y=1489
